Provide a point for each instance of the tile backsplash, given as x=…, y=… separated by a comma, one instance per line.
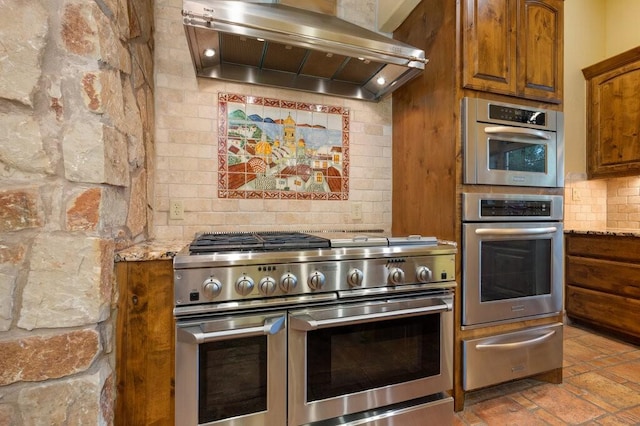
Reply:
x=601, y=203
x=275, y=149
x=623, y=203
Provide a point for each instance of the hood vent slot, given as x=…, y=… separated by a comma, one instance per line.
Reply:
x=280, y=46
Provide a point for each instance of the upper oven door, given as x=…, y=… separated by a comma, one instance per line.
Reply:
x=350, y=358
x=511, y=270
x=231, y=370
x=509, y=155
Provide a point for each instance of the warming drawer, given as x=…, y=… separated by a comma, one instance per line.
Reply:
x=504, y=357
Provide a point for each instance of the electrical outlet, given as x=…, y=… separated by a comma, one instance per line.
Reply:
x=176, y=210
x=356, y=211
x=576, y=195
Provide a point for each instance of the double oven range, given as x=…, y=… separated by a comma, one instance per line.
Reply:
x=288, y=328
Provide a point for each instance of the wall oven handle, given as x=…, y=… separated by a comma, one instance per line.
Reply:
x=515, y=345
x=195, y=334
x=524, y=231
x=517, y=131
x=307, y=321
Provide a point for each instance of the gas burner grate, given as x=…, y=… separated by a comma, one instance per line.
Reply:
x=266, y=241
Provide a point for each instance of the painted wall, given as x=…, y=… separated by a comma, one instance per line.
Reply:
x=621, y=26
x=584, y=37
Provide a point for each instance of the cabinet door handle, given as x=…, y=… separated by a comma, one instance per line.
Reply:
x=506, y=130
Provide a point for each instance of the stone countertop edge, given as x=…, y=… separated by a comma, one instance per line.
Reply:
x=150, y=250
x=616, y=232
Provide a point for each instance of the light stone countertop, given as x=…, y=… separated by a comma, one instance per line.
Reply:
x=620, y=232
x=150, y=250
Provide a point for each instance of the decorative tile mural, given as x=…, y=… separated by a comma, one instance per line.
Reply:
x=277, y=149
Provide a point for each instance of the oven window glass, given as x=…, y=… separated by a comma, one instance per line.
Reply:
x=517, y=156
x=348, y=359
x=232, y=378
x=515, y=268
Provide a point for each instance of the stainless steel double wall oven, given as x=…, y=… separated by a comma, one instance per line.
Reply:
x=512, y=239
x=292, y=329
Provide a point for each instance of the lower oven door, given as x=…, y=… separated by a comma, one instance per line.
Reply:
x=511, y=270
x=355, y=357
x=231, y=371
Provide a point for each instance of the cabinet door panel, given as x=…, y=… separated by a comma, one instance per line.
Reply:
x=489, y=41
x=618, y=121
x=613, y=116
x=540, y=49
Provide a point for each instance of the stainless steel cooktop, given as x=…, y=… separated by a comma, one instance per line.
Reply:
x=229, y=269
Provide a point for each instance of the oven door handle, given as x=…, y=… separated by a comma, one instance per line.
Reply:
x=506, y=130
x=515, y=345
x=195, y=335
x=306, y=321
x=517, y=231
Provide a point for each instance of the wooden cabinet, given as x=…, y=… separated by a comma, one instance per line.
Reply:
x=603, y=282
x=613, y=116
x=145, y=343
x=513, y=47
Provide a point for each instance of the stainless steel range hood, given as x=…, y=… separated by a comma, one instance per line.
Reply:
x=275, y=45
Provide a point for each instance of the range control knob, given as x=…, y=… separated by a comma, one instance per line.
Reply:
x=244, y=285
x=396, y=276
x=267, y=286
x=355, y=277
x=211, y=287
x=316, y=280
x=288, y=282
x=424, y=274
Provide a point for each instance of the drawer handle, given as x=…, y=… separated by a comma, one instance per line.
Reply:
x=515, y=345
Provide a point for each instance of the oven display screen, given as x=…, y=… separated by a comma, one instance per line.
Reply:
x=356, y=358
x=517, y=115
x=491, y=208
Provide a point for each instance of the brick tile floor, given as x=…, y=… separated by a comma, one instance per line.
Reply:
x=601, y=386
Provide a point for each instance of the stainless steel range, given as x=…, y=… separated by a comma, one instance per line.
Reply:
x=277, y=328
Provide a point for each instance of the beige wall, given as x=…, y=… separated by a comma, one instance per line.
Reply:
x=622, y=26
x=584, y=45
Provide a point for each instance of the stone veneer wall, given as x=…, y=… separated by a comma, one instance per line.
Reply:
x=186, y=141
x=76, y=133
x=601, y=203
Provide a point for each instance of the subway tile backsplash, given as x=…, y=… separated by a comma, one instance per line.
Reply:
x=601, y=203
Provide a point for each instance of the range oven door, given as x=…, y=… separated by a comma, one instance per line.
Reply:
x=231, y=370
x=350, y=358
x=511, y=270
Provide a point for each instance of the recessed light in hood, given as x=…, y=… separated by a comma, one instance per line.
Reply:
x=275, y=45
